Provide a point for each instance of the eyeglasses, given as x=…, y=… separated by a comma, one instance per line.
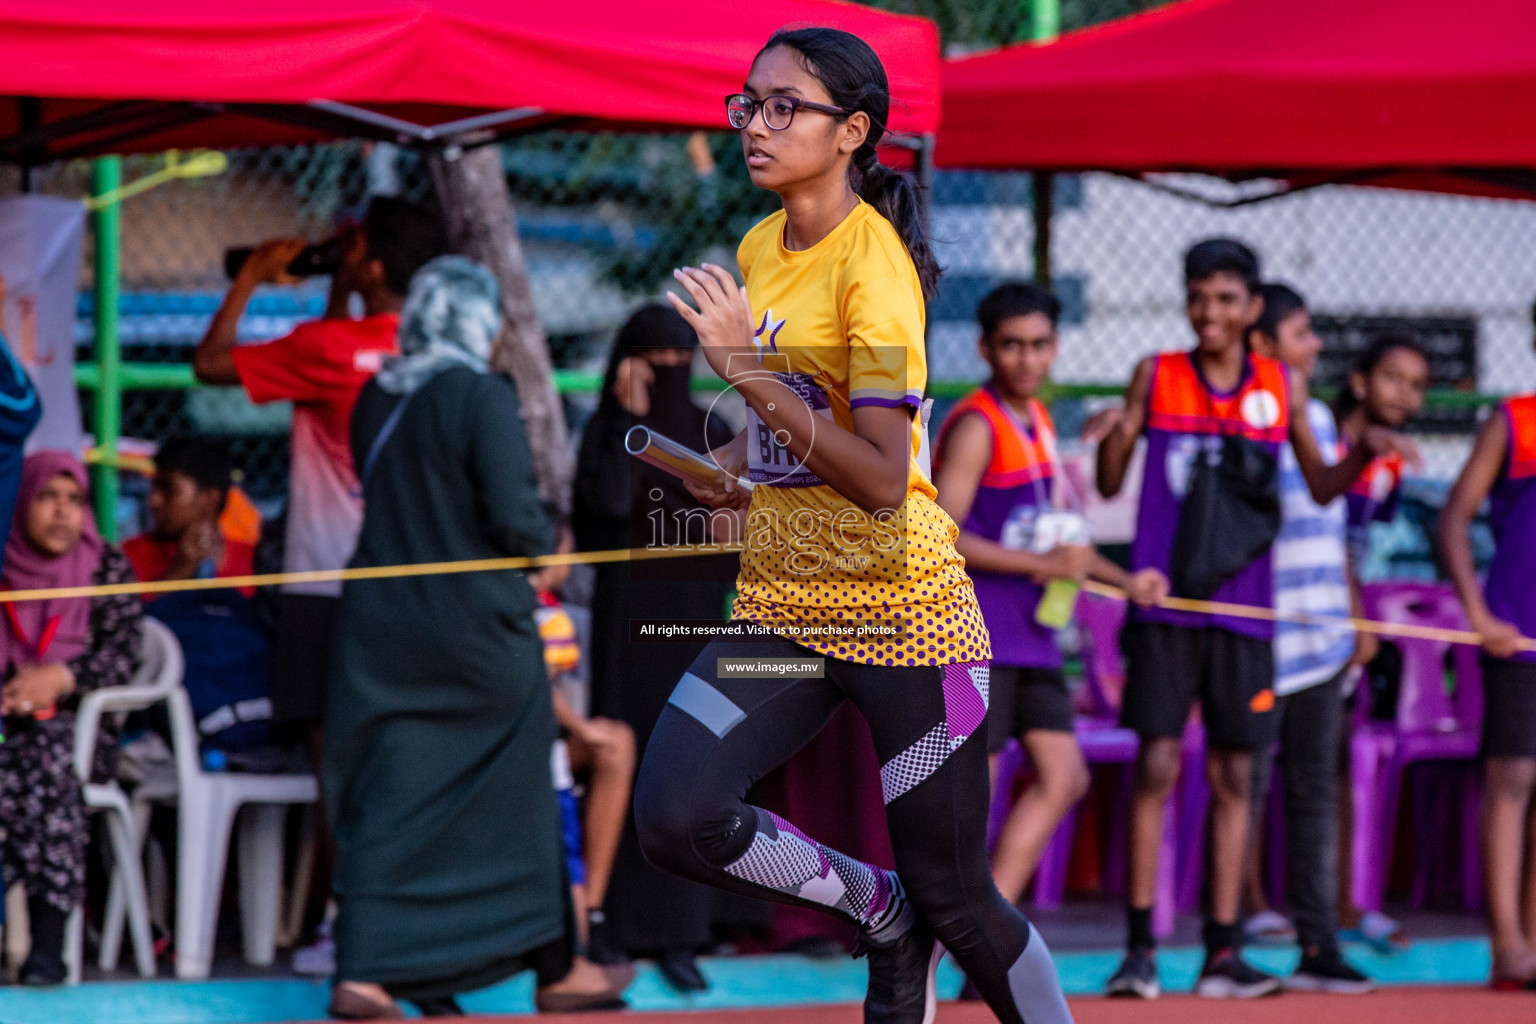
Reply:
x=778, y=111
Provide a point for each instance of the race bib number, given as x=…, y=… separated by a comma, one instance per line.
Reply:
x=769, y=460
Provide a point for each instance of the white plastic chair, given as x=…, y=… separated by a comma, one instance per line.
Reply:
x=208, y=804
x=158, y=677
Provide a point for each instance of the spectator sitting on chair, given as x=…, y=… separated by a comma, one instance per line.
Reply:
x=227, y=653
x=52, y=651
x=191, y=489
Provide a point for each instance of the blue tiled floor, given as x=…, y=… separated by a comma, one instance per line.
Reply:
x=737, y=982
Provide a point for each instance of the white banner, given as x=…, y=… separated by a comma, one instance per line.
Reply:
x=40, y=240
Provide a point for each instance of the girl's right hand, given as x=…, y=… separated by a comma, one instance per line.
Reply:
x=727, y=493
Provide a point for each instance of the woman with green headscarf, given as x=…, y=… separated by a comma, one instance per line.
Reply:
x=449, y=872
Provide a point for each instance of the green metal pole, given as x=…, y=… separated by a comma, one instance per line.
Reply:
x=1044, y=20
x=1044, y=25
x=1043, y=198
x=108, y=408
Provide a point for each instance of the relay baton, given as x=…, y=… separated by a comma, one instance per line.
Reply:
x=662, y=452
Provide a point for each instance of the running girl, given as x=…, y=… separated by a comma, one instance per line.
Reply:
x=845, y=540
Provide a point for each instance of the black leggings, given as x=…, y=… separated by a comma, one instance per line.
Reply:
x=721, y=733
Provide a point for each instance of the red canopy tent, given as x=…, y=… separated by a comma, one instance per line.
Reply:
x=93, y=77
x=1417, y=93
x=96, y=76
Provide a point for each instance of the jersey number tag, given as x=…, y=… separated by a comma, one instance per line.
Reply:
x=769, y=459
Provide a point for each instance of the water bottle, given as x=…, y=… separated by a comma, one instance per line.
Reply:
x=1052, y=530
x=1056, y=604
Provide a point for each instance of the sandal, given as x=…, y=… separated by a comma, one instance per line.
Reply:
x=443, y=1006
x=1513, y=984
x=578, y=1002
x=348, y=1004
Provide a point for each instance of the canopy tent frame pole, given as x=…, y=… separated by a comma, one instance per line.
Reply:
x=84, y=133
x=1365, y=177
x=31, y=143
x=923, y=168
x=410, y=131
x=1042, y=199
x=106, y=222
x=1044, y=25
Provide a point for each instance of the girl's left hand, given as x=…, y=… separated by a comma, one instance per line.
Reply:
x=723, y=320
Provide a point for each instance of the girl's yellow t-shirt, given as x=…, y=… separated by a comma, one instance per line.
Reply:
x=842, y=324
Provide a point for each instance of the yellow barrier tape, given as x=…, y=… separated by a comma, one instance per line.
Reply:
x=380, y=572
x=386, y=572
x=1401, y=630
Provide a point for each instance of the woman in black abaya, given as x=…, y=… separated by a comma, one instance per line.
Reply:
x=621, y=502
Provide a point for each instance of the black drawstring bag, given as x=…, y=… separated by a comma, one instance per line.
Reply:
x=1230, y=516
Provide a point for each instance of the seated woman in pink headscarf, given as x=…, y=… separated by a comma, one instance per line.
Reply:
x=52, y=651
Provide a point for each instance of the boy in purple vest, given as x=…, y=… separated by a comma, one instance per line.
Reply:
x=1502, y=469
x=1185, y=404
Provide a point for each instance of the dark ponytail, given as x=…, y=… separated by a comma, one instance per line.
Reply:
x=853, y=76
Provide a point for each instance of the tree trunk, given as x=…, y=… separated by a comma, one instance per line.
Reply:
x=482, y=225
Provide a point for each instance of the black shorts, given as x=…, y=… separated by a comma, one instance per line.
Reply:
x=1168, y=667
x=302, y=652
x=1509, y=708
x=1025, y=699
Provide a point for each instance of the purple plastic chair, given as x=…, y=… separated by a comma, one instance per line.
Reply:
x=1103, y=742
x=1431, y=725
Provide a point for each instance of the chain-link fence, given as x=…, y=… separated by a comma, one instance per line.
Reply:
x=604, y=218
x=174, y=239
x=1458, y=273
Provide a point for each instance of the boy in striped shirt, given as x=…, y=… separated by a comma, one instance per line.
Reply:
x=1311, y=578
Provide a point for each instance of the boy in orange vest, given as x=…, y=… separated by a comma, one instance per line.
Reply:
x=1190, y=405
x=997, y=475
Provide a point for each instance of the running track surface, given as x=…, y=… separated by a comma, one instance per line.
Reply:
x=1394, y=1006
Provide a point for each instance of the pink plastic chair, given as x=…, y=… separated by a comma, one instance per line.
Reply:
x=1103, y=742
x=1431, y=725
